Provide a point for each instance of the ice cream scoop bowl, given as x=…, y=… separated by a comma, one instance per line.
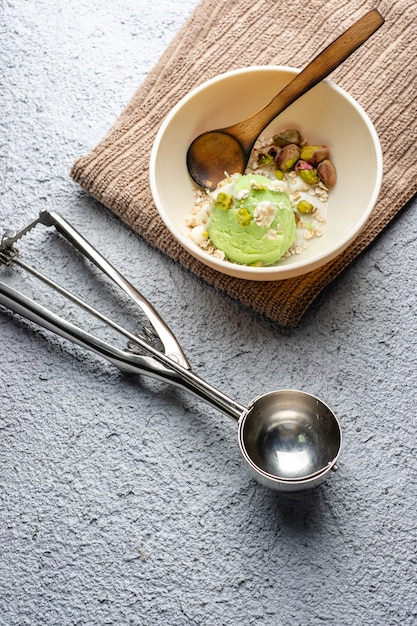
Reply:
x=289, y=439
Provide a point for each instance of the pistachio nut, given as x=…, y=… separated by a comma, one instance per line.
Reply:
x=243, y=217
x=305, y=207
x=265, y=159
x=327, y=173
x=223, y=200
x=307, y=172
x=291, y=135
x=314, y=154
x=287, y=157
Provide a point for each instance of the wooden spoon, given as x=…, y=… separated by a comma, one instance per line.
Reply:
x=215, y=152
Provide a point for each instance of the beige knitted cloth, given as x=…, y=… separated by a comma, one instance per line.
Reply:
x=221, y=35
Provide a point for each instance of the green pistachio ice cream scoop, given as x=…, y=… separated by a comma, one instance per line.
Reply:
x=252, y=223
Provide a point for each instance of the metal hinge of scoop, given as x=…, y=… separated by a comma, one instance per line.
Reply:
x=9, y=255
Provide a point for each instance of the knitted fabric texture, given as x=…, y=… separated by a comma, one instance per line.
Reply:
x=221, y=36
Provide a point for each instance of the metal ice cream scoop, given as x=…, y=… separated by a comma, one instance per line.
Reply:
x=289, y=439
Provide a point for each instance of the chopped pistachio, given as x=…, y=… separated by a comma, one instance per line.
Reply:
x=314, y=154
x=307, y=172
x=327, y=172
x=243, y=217
x=223, y=201
x=265, y=159
x=279, y=174
x=291, y=135
x=288, y=157
x=304, y=206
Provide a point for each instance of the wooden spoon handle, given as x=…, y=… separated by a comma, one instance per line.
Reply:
x=320, y=67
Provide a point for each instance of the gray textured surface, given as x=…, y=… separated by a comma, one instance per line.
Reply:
x=125, y=501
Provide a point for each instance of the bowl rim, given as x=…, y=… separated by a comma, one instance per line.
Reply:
x=271, y=272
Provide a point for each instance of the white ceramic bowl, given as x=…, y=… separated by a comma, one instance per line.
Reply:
x=326, y=114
